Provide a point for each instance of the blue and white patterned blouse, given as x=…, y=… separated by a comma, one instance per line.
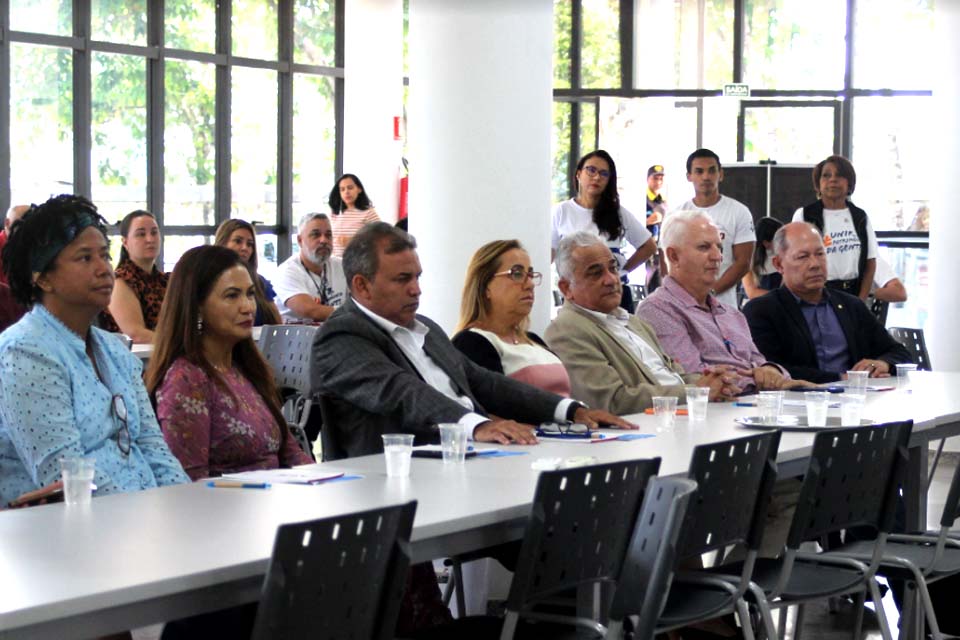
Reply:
x=53, y=404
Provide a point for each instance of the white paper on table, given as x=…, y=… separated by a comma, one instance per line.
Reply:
x=283, y=476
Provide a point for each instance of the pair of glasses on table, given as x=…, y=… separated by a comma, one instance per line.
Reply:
x=563, y=430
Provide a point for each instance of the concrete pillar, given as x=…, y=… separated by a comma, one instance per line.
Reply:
x=943, y=337
x=479, y=139
x=373, y=97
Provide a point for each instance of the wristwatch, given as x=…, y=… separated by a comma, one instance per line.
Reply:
x=572, y=409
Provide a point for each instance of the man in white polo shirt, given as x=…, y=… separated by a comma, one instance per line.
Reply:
x=731, y=217
x=310, y=284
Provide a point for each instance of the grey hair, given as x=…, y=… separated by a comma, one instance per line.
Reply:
x=362, y=255
x=780, y=242
x=568, y=244
x=310, y=217
x=673, y=232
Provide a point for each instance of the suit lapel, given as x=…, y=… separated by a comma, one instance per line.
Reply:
x=849, y=330
x=443, y=355
x=796, y=317
x=627, y=349
x=393, y=349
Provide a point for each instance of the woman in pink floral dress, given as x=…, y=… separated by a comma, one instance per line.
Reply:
x=216, y=400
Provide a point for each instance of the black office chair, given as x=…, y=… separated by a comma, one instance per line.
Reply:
x=287, y=349
x=577, y=535
x=913, y=340
x=735, y=479
x=880, y=309
x=853, y=480
x=339, y=577
x=919, y=560
x=648, y=568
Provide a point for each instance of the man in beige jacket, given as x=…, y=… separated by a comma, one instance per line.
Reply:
x=613, y=358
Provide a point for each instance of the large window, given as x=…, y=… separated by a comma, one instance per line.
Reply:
x=824, y=76
x=187, y=108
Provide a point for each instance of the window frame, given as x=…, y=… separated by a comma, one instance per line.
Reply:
x=629, y=13
x=156, y=53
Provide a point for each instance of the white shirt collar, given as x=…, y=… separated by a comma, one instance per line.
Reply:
x=618, y=315
x=418, y=329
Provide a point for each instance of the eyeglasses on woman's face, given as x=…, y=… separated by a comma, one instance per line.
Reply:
x=519, y=274
x=592, y=171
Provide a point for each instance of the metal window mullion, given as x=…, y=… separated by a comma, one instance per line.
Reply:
x=155, y=113
x=82, y=139
x=575, y=114
x=5, y=80
x=626, y=44
x=576, y=43
x=739, y=26
x=338, y=86
x=845, y=133
x=222, y=199
x=285, y=130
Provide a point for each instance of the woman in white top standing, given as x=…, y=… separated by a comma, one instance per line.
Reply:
x=596, y=208
x=350, y=210
x=847, y=233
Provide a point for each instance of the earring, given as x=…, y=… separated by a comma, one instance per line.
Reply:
x=200, y=324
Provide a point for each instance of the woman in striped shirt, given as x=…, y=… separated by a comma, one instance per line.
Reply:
x=350, y=209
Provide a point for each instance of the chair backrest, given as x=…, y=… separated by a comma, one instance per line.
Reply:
x=579, y=528
x=339, y=577
x=287, y=348
x=913, y=340
x=880, y=308
x=639, y=292
x=734, y=481
x=853, y=479
x=648, y=567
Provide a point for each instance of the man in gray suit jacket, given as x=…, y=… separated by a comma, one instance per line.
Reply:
x=613, y=358
x=381, y=368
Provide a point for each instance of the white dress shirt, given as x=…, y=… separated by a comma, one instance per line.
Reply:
x=618, y=324
x=411, y=340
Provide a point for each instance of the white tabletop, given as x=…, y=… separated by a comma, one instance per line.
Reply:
x=141, y=558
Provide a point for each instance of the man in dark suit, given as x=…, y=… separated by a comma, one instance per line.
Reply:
x=818, y=334
x=381, y=368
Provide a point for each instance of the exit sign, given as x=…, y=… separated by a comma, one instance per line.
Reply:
x=736, y=90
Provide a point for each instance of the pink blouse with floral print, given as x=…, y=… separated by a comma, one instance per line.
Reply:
x=213, y=432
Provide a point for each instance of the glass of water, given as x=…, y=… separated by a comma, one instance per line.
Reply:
x=817, y=403
x=397, y=449
x=851, y=409
x=857, y=382
x=904, y=373
x=77, y=474
x=664, y=408
x=697, y=398
x=769, y=406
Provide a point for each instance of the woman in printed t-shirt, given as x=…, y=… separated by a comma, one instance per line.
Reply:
x=847, y=233
x=596, y=208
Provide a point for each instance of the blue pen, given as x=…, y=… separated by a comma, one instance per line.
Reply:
x=233, y=484
x=744, y=404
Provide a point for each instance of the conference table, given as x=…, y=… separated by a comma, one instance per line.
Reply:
x=136, y=559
